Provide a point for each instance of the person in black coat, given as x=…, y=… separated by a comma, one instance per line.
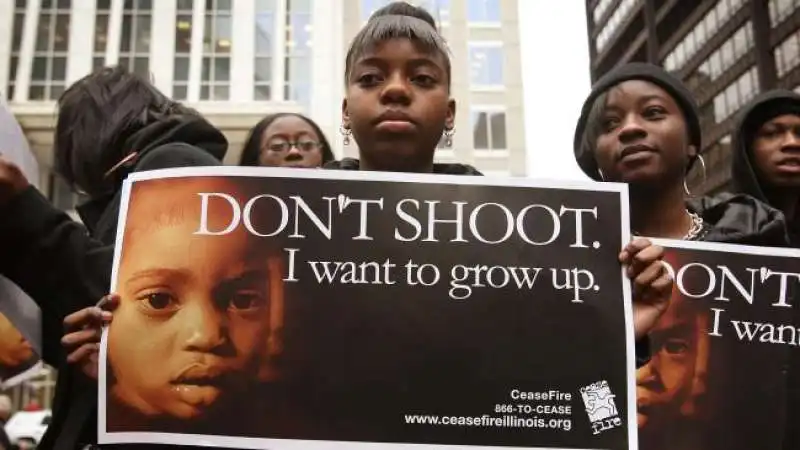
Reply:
x=110, y=123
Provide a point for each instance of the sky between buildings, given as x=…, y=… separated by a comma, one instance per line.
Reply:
x=555, y=70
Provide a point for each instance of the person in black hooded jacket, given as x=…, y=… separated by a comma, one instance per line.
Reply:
x=110, y=123
x=766, y=165
x=766, y=154
x=640, y=126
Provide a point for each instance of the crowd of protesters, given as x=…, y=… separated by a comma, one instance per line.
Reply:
x=638, y=126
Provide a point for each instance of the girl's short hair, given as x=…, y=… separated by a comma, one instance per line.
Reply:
x=398, y=20
x=252, y=147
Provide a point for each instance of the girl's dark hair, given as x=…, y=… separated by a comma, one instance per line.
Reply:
x=96, y=115
x=398, y=20
x=252, y=147
x=593, y=131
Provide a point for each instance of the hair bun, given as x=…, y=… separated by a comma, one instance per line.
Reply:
x=401, y=8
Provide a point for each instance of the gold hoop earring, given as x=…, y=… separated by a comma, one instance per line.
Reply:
x=346, y=133
x=448, y=136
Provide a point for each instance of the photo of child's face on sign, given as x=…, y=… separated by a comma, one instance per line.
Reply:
x=16, y=353
x=212, y=319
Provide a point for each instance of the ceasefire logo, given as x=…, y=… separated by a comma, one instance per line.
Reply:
x=600, y=406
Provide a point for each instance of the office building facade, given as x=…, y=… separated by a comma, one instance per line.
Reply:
x=726, y=51
x=239, y=60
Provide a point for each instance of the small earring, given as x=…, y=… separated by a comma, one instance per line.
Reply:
x=602, y=177
x=448, y=136
x=346, y=133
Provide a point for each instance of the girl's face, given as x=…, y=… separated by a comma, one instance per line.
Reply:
x=290, y=141
x=398, y=105
x=643, y=138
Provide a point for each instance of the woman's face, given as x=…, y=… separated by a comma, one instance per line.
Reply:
x=195, y=312
x=290, y=141
x=398, y=105
x=643, y=137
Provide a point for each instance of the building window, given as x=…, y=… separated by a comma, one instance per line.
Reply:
x=370, y=6
x=297, y=71
x=705, y=29
x=486, y=64
x=622, y=12
x=439, y=9
x=134, y=51
x=265, y=34
x=728, y=54
x=489, y=130
x=483, y=11
x=780, y=10
x=49, y=71
x=736, y=95
x=101, y=33
x=787, y=54
x=600, y=9
x=183, y=48
x=215, y=78
x=16, y=44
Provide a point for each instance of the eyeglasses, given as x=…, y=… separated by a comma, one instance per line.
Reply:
x=282, y=147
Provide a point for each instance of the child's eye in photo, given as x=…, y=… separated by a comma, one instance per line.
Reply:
x=247, y=301
x=157, y=302
x=676, y=346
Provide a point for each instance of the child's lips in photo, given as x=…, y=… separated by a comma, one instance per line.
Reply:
x=200, y=384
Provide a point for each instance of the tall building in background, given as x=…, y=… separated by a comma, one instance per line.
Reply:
x=239, y=60
x=726, y=51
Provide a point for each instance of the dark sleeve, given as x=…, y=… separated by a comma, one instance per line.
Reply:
x=53, y=259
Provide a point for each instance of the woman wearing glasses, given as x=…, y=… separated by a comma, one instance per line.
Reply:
x=286, y=140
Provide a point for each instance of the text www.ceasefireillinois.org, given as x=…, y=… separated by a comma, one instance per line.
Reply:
x=506, y=421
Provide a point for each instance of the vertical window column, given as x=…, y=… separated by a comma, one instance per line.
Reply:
x=297, y=71
x=16, y=47
x=266, y=14
x=215, y=77
x=49, y=69
x=134, y=50
x=183, y=47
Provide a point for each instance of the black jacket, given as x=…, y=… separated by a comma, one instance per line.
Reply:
x=740, y=219
x=744, y=176
x=66, y=266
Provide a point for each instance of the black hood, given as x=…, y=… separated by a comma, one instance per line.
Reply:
x=761, y=109
x=444, y=169
x=740, y=219
x=193, y=130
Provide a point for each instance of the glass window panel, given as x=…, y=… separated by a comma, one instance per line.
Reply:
x=262, y=93
x=59, y=68
x=182, y=69
x=61, y=38
x=204, y=92
x=224, y=5
x=43, y=33
x=64, y=4
x=19, y=22
x=263, y=69
x=127, y=31
x=223, y=33
x=47, y=4
x=480, y=130
x=98, y=62
x=145, y=5
x=55, y=91
x=12, y=69
x=498, y=124
x=36, y=93
x=222, y=69
x=101, y=33
x=142, y=43
x=39, y=69
x=264, y=30
x=221, y=92
x=141, y=66
x=205, y=74
x=263, y=5
x=183, y=34
x=184, y=5
x=179, y=92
